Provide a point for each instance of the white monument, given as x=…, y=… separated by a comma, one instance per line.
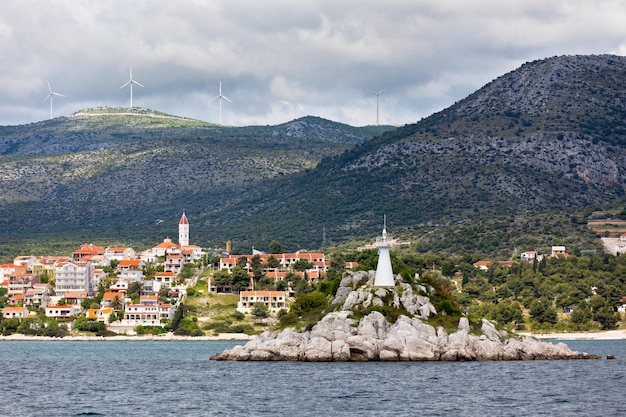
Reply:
x=384, y=273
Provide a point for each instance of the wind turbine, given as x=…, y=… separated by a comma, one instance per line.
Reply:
x=50, y=96
x=377, y=94
x=130, y=82
x=220, y=96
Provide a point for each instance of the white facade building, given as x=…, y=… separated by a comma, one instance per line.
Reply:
x=74, y=276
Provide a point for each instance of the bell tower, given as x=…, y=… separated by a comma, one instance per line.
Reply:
x=183, y=231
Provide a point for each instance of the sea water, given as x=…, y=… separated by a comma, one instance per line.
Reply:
x=176, y=378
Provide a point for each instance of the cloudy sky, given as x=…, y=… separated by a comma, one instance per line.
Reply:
x=283, y=59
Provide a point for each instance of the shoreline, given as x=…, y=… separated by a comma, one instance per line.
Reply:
x=597, y=335
x=240, y=337
x=222, y=337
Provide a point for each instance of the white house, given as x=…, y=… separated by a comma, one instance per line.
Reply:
x=14, y=312
x=529, y=256
x=166, y=278
x=74, y=276
x=148, y=312
x=274, y=300
x=131, y=270
x=119, y=254
x=63, y=311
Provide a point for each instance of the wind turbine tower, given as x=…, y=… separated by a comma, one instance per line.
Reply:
x=220, y=96
x=130, y=83
x=50, y=95
x=376, y=94
x=384, y=272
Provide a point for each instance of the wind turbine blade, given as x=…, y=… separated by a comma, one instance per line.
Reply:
x=381, y=91
x=214, y=98
x=47, y=97
x=139, y=84
x=58, y=94
x=226, y=98
x=125, y=84
x=49, y=88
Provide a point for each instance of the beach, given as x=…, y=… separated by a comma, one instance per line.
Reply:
x=160, y=337
x=619, y=334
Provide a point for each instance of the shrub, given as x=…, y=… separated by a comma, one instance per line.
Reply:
x=311, y=302
x=196, y=333
x=154, y=330
x=90, y=326
x=237, y=315
x=288, y=319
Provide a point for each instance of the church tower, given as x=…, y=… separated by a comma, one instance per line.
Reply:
x=384, y=272
x=183, y=231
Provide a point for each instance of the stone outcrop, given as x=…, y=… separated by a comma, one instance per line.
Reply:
x=338, y=337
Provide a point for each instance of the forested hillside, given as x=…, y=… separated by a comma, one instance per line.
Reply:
x=126, y=175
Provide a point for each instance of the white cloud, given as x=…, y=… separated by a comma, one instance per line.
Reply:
x=281, y=59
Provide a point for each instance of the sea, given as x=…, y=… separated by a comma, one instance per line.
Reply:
x=176, y=378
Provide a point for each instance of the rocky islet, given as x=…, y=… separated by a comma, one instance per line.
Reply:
x=338, y=337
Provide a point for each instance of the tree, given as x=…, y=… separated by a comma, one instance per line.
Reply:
x=272, y=262
x=240, y=279
x=116, y=303
x=302, y=265
x=87, y=302
x=542, y=311
x=507, y=311
x=607, y=317
x=581, y=316
x=260, y=310
x=242, y=262
x=448, y=268
x=134, y=291
x=275, y=247
x=221, y=279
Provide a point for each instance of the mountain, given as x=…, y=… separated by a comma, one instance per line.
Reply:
x=522, y=161
x=110, y=173
x=544, y=139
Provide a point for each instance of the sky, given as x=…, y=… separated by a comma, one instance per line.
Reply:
x=279, y=60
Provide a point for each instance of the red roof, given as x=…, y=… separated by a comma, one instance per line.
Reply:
x=183, y=219
x=167, y=243
x=129, y=262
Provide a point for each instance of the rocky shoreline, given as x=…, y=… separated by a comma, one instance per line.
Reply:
x=338, y=337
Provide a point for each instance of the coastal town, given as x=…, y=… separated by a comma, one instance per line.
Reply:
x=123, y=289
x=118, y=291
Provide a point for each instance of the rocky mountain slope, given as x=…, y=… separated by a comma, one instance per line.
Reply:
x=547, y=137
x=544, y=139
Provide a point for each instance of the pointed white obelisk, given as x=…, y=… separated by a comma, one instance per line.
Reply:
x=384, y=273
